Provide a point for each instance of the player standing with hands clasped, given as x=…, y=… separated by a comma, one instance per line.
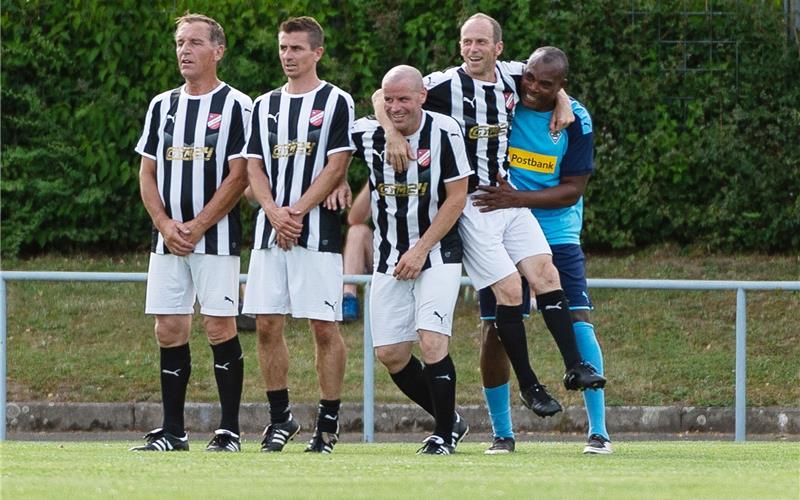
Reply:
x=192, y=175
x=299, y=149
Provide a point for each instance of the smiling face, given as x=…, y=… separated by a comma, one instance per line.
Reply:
x=479, y=50
x=540, y=84
x=403, y=96
x=297, y=57
x=197, y=55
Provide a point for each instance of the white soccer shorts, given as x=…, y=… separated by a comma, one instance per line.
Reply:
x=398, y=308
x=174, y=283
x=494, y=242
x=300, y=282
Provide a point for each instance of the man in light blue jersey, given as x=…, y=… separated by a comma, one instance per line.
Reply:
x=548, y=173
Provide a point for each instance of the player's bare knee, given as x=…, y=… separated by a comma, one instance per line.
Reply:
x=508, y=291
x=394, y=357
x=172, y=331
x=326, y=333
x=433, y=346
x=219, y=329
x=269, y=328
x=541, y=273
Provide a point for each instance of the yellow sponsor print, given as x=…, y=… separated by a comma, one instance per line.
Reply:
x=293, y=148
x=189, y=153
x=526, y=160
x=403, y=190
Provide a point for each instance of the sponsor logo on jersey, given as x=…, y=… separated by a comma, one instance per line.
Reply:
x=487, y=131
x=402, y=190
x=316, y=117
x=214, y=121
x=293, y=148
x=424, y=157
x=535, y=162
x=509, y=97
x=189, y=153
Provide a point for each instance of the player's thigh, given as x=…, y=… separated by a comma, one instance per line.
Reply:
x=216, y=279
x=523, y=236
x=571, y=264
x=436, y=292
x=267, y=289
x=485, y=258
x=170, y=289
x=392, y=310
x=315, y=284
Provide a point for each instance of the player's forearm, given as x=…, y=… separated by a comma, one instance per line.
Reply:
x=259, y=184
x=148, y=189
x=330, y=177
x=554, y=197
x=225, y=198
x=445, y=219
x=380, y=112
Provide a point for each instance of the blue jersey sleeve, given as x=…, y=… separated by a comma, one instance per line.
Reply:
x=578, y=159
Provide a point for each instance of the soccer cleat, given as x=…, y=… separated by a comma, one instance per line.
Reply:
x=224, y=440
x=500, y=446
x=598, y=445
x=460, y=430
x=537, y=399
x=323, y=442
x=161, y=440
x=435, y=445
x=349, y=308
x=277, y=435
x=583, y=376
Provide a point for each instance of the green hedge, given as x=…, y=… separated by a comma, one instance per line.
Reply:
x=708, y=156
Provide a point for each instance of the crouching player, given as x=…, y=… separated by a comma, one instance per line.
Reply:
x=417, y=258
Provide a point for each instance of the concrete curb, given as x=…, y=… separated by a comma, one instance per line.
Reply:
x=37, y=416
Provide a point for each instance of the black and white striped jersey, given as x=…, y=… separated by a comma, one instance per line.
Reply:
x=294, y=134
x=483, y=109
x=404, y=204
x=192, y=139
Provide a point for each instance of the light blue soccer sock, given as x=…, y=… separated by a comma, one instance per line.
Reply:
x=498, y=399
x=594, y=399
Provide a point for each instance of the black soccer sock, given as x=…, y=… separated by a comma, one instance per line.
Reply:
x=441, y=382
x=328, y=415
x=511, y=331
x=176, y=366
x=554, y=307
x=278, y=406
x=229, y=372
x=411, y=381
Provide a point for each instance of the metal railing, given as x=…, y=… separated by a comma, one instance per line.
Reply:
x=740, y=404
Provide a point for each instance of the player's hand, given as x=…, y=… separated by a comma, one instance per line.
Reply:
x=398, y=151
x=562, y=116
x=490, y=198
x=284, y=243
x=286, y=221
x=195, y=231
x=410, y=264
x=177, y=237
x=340, y=198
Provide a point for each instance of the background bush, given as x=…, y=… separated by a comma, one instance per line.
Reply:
x=697, y=116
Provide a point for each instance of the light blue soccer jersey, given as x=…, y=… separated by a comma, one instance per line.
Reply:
x=539, y=159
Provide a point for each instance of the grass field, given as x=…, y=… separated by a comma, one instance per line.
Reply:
x=660, y=347
x=651, y=470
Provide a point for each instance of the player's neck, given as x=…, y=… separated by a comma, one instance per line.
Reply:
x=488, y=76
x=201, y=86
x=303, y=84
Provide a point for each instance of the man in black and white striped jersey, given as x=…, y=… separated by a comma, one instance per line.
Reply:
x=298, y=150
x=502, y=245
x=192, y=175
x=417, y=249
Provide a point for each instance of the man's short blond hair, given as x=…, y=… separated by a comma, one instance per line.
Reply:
x=497, y=31
x=215, y=32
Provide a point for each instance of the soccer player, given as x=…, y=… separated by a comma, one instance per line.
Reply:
x=298, y=150
x=499, y=246
x=550, y=171
x=191, y=177
x=417, y=267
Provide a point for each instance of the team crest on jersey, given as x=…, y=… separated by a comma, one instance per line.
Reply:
x=424, y=157
x=509, y=96
x=214, y=121
x=316, y=117
x=555, y=136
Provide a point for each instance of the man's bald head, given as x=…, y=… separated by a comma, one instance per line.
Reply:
x=408, y=76
x=553, y=57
